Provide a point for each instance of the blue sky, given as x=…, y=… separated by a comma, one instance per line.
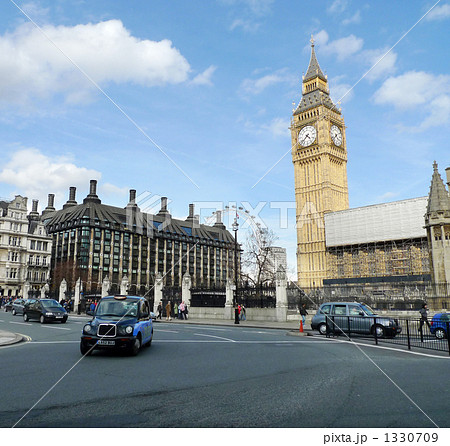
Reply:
x=192, y=100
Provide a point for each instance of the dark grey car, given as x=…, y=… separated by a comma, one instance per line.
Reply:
x=17, y=306
x=353, y=317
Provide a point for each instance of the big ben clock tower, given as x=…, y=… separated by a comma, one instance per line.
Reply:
x=319, y=155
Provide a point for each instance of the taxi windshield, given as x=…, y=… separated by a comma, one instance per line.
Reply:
x=114, y=308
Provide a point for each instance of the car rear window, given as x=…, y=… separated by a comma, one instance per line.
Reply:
x=340, y=310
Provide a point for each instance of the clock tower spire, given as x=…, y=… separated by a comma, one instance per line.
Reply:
x=319, y=155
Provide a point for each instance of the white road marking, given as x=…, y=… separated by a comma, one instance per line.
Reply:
x=217, y=337
x=168, y=331
x=20, y=323
x=207, y=328
x=55, y=328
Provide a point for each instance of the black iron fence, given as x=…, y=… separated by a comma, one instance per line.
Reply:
x=412, y=333
x=201, y=297
x=257, y=297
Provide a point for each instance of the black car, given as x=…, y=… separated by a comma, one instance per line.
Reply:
x=45, y=310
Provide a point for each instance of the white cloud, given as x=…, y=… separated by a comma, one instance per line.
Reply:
x=440, y=12
x=254, y=7
x=338, y=6
x=418, y=89
x=345, y=47
x=33, y=66
x=246, y=25
x=257, y=86
x=278, y=127
x=355, y=18
x=381, y=63
x=205, y=77
x=340, y=91
x=35, y=175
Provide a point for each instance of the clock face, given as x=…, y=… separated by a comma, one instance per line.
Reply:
x=307, y=135
x=336, y=135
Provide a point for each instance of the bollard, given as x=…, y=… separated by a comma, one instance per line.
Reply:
x=236, y=316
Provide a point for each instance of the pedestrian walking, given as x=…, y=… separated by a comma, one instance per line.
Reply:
x=168, y=311
x=424, y=317
x=243, y=315
x=303, y=313
x=186, y=311
x=175, y=310
x=181, y=309
x=159, y=309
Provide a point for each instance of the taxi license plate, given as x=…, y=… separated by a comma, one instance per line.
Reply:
x=103, y=342
x=58, y=317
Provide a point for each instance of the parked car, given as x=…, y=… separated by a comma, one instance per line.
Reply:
x=438, y=325
x=353, y=317
x=17, y=306
x=45, y=310
x=119, y=322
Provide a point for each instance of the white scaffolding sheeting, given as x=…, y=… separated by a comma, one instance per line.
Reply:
x=388, y=221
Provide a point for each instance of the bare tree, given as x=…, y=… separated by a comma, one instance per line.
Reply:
x=257, y=260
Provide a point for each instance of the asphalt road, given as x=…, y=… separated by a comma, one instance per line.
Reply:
x=209, y=376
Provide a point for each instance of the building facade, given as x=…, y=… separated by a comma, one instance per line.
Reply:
x=25, y=250
x=319, y=155
x=95, y=241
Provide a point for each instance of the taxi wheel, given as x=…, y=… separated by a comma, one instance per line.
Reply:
x=136, y=346
x=14, y=312
x=25, y=317
x=42, y=319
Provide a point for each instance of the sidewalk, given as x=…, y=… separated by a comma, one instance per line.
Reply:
x=8, y=338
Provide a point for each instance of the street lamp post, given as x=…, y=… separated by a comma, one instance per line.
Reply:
x=235, y=227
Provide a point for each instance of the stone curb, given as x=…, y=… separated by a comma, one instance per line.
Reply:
x=8, y=338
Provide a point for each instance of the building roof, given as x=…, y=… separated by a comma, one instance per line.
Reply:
x=317, y=96
x=314, y=99
x=314, y=67
x=398, y=220
x=94, y=213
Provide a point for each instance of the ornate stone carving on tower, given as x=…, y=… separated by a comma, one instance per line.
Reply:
x=437, y=224
x=319, y=155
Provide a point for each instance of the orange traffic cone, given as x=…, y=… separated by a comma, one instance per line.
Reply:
x=301, y=326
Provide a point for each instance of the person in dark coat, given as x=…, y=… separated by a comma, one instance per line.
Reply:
x=303, y=313
x=424, y=317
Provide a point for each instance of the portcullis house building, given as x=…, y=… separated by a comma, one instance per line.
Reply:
x=96, y=241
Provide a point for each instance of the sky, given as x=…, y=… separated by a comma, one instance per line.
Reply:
x=192, y=100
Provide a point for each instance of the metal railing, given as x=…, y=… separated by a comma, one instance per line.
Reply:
x=412, y=333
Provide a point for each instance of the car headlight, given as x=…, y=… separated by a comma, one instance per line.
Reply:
x=129, y=329
x=88, y=328
x=49, y=314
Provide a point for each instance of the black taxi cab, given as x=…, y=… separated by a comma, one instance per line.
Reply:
x=119, y=322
